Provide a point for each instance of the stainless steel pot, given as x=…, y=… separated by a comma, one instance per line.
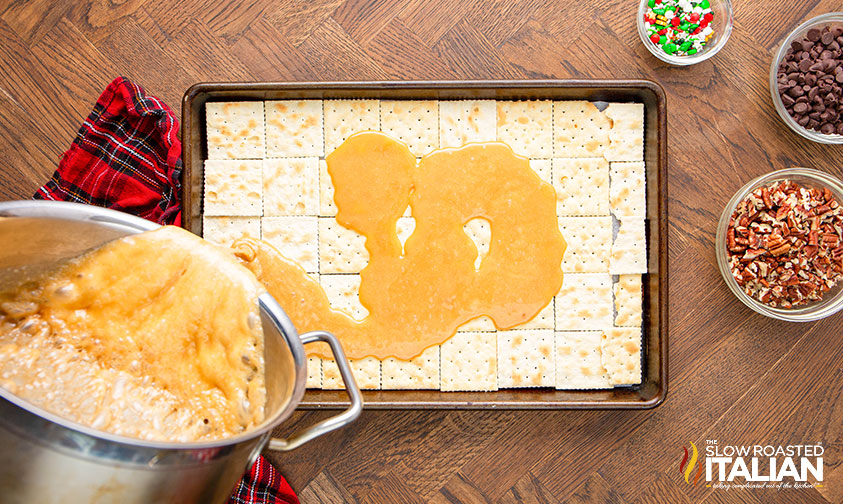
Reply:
x=45, y=459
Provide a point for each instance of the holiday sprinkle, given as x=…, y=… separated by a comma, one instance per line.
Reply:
x=679, y=27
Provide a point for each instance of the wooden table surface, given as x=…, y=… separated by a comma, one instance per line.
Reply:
x=734, y=376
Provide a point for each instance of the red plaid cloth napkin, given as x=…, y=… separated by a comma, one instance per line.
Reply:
x=127, y=156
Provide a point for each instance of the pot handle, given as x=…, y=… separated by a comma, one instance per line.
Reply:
x=335, y=422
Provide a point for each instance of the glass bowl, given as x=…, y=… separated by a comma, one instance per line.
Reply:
x=722, y=24
x=800, y=31
x=832, y=300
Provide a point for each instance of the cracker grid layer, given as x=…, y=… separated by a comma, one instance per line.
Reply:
x=629, y=250
x=327, y=207
x=295, y=238
x=414, y=122
x=314, y=372
x=584, y=302
x=294, y=128
x=464, y=121
x=469, y=362
x=579, y=364
x=341, y=250
x=628, y=301
x=479, y=231
x=525, y=359
x=404, y=227
x=582, y=186
x=419, y=373
x=626, y=138
x=233, y=188
x=621, y=355
x=526, y=127
x=343, y=293
x=543, y=168
x=235, y=130
x=225, y=230
x=367, y=374
x=346, y=117
x=546, y=132
x=481, y=323
x=291, y=186
x=543, y=320
x=627, y=195
x=579, y=129
x=589, y=242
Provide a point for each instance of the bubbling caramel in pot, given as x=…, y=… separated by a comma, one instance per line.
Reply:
x=155, y=336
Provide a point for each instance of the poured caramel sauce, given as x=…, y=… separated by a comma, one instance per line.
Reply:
x=418, y=296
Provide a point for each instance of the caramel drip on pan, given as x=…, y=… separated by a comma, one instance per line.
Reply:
x=417, y=297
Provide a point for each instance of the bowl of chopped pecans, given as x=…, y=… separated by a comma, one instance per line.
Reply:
x=780, y=244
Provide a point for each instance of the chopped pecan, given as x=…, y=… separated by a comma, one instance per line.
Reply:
x=785, y=243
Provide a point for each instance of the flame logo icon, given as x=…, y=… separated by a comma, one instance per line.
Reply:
x=688, y=469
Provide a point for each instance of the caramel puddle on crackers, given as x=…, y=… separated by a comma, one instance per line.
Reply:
x=418, y=299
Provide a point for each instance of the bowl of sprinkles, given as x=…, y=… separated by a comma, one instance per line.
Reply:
x=684, y=32
x=779, y=244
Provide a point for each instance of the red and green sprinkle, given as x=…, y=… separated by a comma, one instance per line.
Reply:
x=679, y=27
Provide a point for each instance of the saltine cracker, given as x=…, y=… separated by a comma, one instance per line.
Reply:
x=235, y=130
x=579, y=365
x=294, y=128
x=225, y=230
x=525, y=359
x=233, y=188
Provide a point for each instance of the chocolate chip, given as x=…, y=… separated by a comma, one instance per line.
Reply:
x=809, y=79
x=839, y=128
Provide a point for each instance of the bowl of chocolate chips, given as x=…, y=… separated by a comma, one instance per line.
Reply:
x=806, y=79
